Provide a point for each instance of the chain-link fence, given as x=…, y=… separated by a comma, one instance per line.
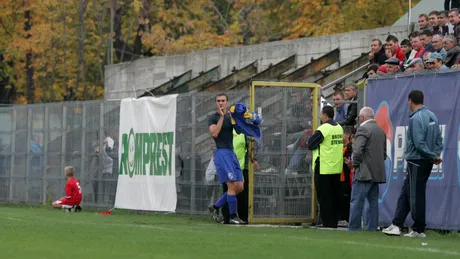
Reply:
x=38, y=141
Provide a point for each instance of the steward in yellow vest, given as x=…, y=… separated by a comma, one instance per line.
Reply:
x=327, y=146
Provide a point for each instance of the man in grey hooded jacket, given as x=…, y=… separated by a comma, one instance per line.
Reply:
x=424, y=146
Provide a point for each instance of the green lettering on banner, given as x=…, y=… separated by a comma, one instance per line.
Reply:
x=124, y=155
x=138, y=154
x=164, y=153
x=153, y=145
x=140, y=151
x=170, y=138
x=146, y=152
x=160, y=162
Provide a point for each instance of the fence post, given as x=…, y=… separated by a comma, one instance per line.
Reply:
x=193, y=158
x=28, y=155
x=13, y=153
x=100, y=164
x=281, y=190
x=83, y=142
x=45, y=155
x=64, y=136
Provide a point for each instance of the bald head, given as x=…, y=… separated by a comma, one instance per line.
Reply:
x=366, y=113
x=69, y=171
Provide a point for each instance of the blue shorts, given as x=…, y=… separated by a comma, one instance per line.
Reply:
x=227, y=166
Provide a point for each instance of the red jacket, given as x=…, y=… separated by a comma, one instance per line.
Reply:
x=419, y=53
x=400, y=55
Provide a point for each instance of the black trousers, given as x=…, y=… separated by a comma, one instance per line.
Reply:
x=413, y=195
x=328, y=191
x=242, y=201
x=345, y=199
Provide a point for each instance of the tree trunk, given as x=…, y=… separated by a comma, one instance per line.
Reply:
x=29, y=67
x=81, y=48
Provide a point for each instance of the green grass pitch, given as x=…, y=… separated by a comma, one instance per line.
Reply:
x=46, y=233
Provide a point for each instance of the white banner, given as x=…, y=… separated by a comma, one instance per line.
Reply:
x=147, y=179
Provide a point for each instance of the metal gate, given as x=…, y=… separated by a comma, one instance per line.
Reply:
x=282, y=190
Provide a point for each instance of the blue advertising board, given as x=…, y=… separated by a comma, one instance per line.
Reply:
x=389, y=99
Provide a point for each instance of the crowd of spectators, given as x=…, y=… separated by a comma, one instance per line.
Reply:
x=433, y=47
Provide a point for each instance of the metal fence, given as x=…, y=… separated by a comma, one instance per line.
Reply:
x=38, y=141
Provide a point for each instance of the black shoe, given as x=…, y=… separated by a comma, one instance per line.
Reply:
x=214, y=213
x=78, y=209
x=237, y=221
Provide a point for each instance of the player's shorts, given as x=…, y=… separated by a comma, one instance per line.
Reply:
x=67, y=202
x=227, y=166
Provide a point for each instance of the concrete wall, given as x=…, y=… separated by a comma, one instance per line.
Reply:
x=148, y=73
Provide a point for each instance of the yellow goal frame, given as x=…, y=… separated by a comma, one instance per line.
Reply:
x=316, y=92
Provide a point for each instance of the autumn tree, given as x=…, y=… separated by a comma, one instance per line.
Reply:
x=57, y=50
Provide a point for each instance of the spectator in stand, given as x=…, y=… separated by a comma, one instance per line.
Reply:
x=341, y=109
x=436, y=62
x=392, y=65
x=433, y=16
x=443, y=22
x=415, y=65
x=426, y=56
x=423, y=23
x=412, y=35
x=437, y=44
x=372, y=70
x=351, y=94
x=455, y=20
x=455, y=4
x=377, y=54
x=417, y=45
x=450, y=45
x=393, y=50
x=426, y=37
x=407, y=49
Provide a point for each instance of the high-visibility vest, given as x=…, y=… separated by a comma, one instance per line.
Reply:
x=330, y=150
x=239, y=147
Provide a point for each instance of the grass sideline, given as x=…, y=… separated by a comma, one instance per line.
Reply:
x=38, y=232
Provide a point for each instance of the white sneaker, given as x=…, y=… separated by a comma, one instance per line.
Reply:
x=392, y=230
x=342, y=224
x=415, y=234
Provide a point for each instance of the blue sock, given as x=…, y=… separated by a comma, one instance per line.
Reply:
x=231, y=200
x=221, y=202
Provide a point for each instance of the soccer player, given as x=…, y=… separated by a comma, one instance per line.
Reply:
x=227, y=165
x=73, y=197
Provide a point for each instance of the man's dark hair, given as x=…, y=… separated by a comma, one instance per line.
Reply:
x=416, y=96
x=328, y=111
x=339, y=93
x=379, y=41
x=222, y=94
x=348, y=130
x=433, y=13
x=392, y=38
x=413, y=34
x=405, y=42
x=427, y=33
x=373, y=67
x=454, y=10
x=423, y=15
x=443, y=13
